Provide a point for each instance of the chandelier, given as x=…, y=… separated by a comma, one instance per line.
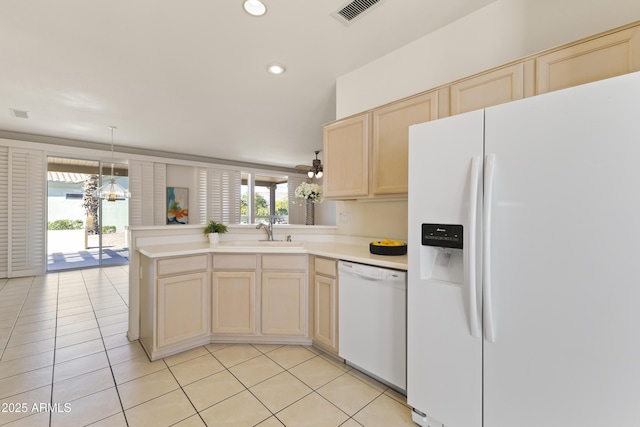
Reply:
x=111, y=191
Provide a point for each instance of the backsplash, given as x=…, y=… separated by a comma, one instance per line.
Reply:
x=383, y=219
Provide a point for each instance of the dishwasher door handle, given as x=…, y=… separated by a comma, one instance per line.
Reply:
x=391, y=278
x=364, y=276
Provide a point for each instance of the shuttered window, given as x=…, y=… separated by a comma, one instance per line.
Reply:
x=4, y=212
x=148, y=188
x=22, y=213
x=219, y=195
x=160, y=193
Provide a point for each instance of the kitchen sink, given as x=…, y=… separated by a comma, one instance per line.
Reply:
x=262, y=244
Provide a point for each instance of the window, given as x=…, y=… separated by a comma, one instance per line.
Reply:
x=264, y=198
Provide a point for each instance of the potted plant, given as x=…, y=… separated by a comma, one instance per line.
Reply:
x=213, y=231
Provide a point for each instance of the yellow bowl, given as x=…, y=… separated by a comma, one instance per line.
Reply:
x=380, y=249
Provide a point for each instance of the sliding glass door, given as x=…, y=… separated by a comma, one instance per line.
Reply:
x=114, y=215
x=84, y=231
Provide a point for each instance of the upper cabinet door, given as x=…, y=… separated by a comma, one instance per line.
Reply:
x=390, y=145
x=607, y=56
x=346, y=157
x=485, y=90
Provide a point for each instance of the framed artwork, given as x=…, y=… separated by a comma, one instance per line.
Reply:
x=177, y=205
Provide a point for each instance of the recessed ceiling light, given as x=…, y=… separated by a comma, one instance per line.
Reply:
x=276, y=68
x=254, y=7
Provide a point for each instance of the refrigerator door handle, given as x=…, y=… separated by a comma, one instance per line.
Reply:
x=472, y=247
x=489, y=176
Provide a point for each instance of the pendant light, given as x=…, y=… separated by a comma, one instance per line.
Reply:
x=111, y=191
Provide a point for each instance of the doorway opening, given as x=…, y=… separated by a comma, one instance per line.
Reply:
x=83, y=231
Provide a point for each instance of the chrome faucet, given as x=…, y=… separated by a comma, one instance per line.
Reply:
x=268, y=228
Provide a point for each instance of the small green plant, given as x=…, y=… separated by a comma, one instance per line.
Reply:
x=65, y=224
x=108, y=229
x=215, y=227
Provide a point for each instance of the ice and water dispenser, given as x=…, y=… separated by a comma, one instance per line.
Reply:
x=441, y=255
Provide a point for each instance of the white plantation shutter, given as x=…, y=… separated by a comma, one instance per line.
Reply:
x=141, y=187
x=219, y=195
x=26, y=212
x=297, y=214
x=4, y=212
x=159, y=194
x=202, y=195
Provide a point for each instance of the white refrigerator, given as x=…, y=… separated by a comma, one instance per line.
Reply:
x=523, y=305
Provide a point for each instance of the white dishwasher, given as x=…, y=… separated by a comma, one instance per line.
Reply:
x=373, y=323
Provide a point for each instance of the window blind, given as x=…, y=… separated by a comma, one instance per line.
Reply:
x=141, y=187
x=4, y=212
x=25, y=231
x=219, y=195
x=160, y=193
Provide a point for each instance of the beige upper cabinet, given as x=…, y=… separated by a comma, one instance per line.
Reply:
x=346, y=157
x=361, y=165
x=607, y=56
x=495, y=87
x=390, y=140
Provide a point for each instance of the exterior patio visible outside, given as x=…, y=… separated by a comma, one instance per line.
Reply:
x=67, y=249
x=73, y=238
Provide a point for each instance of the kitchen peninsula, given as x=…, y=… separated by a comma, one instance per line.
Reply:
x=242, y=290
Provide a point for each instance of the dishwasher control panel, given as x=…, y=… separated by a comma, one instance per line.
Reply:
x=442, y=235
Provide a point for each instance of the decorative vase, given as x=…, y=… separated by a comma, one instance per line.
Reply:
x=214, y=238
x=309, y=212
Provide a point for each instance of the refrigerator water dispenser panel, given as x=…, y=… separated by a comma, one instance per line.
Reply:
x=442, y=235
x=441, y=256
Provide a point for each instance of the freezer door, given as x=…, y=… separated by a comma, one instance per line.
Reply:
x=444, y=376
x=564, y=259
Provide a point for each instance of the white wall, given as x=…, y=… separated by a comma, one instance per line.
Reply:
x=501, y=32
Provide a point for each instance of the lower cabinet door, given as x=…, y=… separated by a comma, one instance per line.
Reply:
x=233, y=302
x=325, y=312
x=183, y=308
x=283, y=307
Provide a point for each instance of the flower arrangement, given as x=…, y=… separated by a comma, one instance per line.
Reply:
x=312, y=192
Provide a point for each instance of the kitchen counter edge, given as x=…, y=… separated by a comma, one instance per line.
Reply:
x=343, y=251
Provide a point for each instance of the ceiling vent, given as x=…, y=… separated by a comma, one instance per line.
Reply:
x=353, y=10
x=21, y=114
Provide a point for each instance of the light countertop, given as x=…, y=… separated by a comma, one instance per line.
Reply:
x=345, y=251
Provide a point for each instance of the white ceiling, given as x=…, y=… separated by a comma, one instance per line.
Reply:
x=189, y=76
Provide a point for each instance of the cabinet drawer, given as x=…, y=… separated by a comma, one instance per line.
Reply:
x=284, y=262
x=234, y=262
x=169, y=266
x=326, y=266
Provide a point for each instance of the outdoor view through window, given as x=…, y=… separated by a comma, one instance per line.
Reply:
x=270, y=199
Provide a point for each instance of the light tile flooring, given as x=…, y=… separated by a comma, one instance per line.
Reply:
x=65, y=361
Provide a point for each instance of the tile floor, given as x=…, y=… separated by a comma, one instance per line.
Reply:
x=65, y=361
